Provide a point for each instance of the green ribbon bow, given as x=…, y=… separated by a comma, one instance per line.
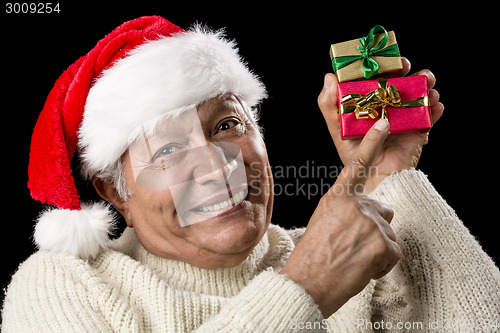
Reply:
x=370, y=66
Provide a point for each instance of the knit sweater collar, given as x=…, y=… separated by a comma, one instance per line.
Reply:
x=224, y=282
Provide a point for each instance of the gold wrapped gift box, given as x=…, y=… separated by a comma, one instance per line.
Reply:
x=352, y=60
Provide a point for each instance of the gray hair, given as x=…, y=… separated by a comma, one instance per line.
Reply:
x=115, y=174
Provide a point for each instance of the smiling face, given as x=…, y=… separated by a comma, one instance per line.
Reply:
x=191, y=198
x=205, y=178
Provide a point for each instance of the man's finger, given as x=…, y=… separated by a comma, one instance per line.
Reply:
x=357, y=169
x=327, y=101
x=431, y=79
x=372, y=143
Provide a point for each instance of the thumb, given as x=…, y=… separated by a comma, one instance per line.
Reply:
x=327, y=102
x=356, y=170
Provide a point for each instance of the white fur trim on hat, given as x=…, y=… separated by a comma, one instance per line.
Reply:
x=159, y=77
x=81, y=233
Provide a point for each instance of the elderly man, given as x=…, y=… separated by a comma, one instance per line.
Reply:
x=165, y=125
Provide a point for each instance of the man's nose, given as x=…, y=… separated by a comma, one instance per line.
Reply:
x=216, y=167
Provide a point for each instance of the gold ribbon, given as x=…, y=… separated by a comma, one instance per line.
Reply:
x=368, y=106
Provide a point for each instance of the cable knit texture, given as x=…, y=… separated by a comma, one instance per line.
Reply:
x=444, y=278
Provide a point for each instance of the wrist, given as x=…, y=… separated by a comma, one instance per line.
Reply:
x=327, y=304
x=372, y=183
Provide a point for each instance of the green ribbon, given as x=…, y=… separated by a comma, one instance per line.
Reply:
x=370, y=66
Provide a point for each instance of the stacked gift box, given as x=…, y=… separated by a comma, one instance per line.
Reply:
x=402, y=100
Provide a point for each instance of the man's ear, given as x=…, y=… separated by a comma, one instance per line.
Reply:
x=108, y=192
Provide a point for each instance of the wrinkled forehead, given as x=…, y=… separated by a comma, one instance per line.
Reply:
x=187, y=127
x=191, y=119
x=222, y=103
x=184, y=124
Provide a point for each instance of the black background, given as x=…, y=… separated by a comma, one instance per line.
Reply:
x=288, y=47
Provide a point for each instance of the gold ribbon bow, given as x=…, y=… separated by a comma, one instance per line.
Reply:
x=368, y=106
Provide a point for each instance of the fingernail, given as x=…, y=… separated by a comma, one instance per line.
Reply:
x=381, y=124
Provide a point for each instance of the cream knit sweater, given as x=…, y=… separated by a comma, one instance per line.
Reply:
x=443, y=283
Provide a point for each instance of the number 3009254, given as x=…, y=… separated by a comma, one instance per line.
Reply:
x=32, y=8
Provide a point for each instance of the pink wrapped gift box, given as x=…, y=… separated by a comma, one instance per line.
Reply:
x=403, y=120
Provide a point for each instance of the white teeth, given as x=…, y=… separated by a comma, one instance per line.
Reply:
x=234, y=200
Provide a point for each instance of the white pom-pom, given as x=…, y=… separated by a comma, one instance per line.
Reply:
x=81, y=233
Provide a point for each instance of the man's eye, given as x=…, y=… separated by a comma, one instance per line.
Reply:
x=166, y=150
x=224, y=126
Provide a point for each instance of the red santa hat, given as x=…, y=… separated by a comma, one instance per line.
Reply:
x=144, y=69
